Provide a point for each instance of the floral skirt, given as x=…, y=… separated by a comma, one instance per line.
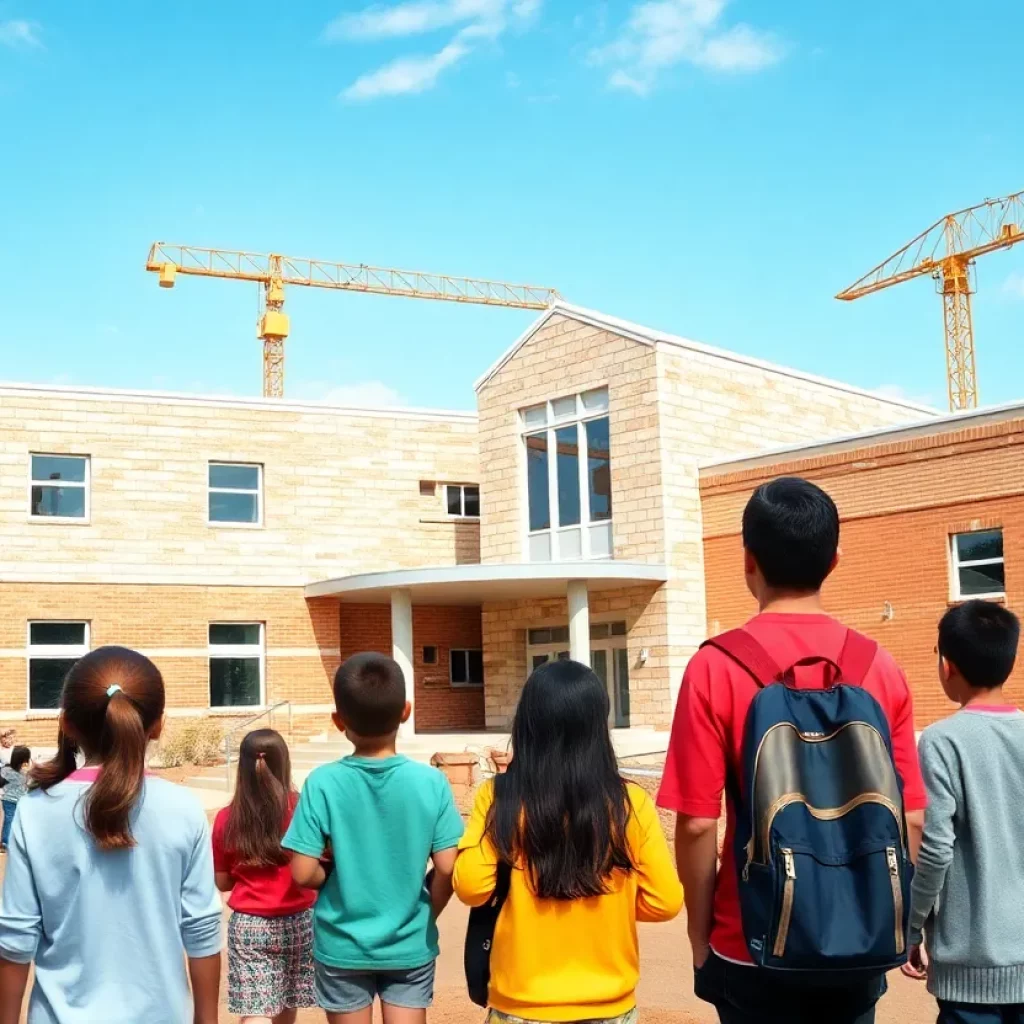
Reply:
x=270, y=964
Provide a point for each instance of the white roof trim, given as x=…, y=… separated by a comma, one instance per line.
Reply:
x=866, y=438
x=649, y=336
x=229, y=402
x=456, y=575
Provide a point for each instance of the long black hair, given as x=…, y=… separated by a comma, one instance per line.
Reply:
x=562, y=806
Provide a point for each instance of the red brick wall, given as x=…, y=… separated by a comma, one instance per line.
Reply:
x=899, y=504
x=439, y=706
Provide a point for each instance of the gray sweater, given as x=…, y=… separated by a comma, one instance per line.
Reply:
x=968, y=892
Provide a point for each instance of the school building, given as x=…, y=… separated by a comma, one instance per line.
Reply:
x=588, y=508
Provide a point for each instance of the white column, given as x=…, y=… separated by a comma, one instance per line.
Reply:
x=579, y=621
x=401, y=647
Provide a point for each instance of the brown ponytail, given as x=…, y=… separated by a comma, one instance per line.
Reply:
x=111, y=704
x=262, y=801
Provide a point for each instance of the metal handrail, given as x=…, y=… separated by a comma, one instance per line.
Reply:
x=245, y=725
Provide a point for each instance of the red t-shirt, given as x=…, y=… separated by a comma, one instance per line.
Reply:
x=707, y=734
x=263, y=892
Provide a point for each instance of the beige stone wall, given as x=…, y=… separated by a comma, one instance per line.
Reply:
x=341, y=489
x=712, y=406
x=505, y=669
x=566, y=357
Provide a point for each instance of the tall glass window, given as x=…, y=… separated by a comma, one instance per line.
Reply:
x=569, y=497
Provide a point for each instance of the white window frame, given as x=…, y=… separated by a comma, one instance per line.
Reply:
x=461, y=488
x=466, y=651
x=221, y=651
x=52, y=652
x=580, y=417
x=227, y=523
x=956, y=565
x=85, y=485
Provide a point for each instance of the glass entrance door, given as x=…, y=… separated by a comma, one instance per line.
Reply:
x=610, y=662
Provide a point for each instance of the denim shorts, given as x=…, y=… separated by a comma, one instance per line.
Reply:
x=342, y=991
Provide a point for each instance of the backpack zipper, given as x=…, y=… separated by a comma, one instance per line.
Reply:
x=897, y=896
x=787, y=904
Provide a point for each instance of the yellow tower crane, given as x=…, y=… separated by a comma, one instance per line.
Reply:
x=272, y=272
x=947, y=251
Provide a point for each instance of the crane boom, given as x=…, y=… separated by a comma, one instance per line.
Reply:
x=969, y=233
x=265, y=268
x=947, y=251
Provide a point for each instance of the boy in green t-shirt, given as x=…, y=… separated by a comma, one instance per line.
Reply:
x=383, y=816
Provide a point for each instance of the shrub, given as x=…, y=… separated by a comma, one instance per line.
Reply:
x=197, y=741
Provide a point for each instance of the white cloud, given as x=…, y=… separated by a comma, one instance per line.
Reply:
x=618, y=79
x=409, y=19
x=660, y=34
x=364, y=394
x=512, y=80
x=18, y=32
x=405, y=75
x=1013, y=286
x=478, y=21
x=898, y=393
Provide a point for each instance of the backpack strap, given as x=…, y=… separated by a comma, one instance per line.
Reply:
x=739, y=645
x=856, y=657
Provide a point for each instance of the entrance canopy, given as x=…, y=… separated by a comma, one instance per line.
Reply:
x=474, y=584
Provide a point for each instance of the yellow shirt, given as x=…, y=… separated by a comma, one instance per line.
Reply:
x=555, y=960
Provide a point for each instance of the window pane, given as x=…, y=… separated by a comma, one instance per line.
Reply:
x=599, y=631
x=540, y=547
x=233, y=508
x=570, y=543
x=539, y=659
x=561, y=408
x=59, y=501
x=983, y=579
x=472, y=501
x=621, y=689
x=429, y=655
x=458, y=666
x=560, y=635
x=58, y=467
x=453, y=496
x=567, y=445
x=599, y=472
x=618, y=629
x=234, y=682
x=476, y=667
x=56, y=633
x=535, y=416
x=985, y=544
x=539, y=636
x=235, y=633
x=595, y=401
x=46, y=680
x=537, y=481
x=245, y=478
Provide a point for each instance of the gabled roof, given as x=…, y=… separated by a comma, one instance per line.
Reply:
x=650, y=336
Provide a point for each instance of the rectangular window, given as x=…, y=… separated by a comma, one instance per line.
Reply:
x=570, y=502
x=430, y=655
x=537, y=481
x=53, y=647
x=60, y=487
x=236, y=664
x=466, y=668
x=236, y=493
x=978, y=566
x=462, y=500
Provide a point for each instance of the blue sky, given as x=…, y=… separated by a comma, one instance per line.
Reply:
x=717, y=168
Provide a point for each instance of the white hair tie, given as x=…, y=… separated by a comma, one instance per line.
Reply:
x=111, y=690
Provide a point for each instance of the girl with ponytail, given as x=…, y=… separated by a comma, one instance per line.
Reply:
x=270, y=935
x=109, y=884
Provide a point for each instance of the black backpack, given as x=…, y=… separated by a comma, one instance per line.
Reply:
x=480, y=936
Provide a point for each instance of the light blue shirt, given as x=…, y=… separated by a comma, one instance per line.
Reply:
x=384, y=817
x=109, y=930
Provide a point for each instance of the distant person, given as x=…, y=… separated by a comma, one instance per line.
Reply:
x=15, y=782
x=791, y=545
x=270, y=935
x=382, y=817
x=588, y=855
x=109, y=884
x=7, y=737
x=968, y=891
